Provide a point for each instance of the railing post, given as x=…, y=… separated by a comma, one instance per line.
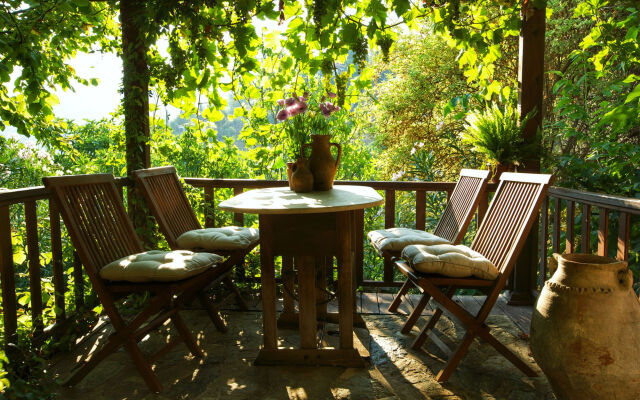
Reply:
x=238, y=218
x=7, y=278
x=585, y=247
x=544, y=234
x=570, y=236
x=624, y=229
x=421, y=209
x=555, y=238
x=78, y=282
x=209, y=210
x=33, y=250
x=603, y=232
x=56, y=260
x=389, y=222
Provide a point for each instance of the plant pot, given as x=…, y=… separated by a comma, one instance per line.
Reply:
x=300, y=177
x=321, y=163
x=497, y=169
x=584, y=329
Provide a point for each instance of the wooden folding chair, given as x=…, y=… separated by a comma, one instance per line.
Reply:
x=451, y=227
x=102, y=233
x=168, y=203
x=499, y=239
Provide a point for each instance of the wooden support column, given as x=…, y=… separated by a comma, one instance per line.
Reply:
x=531, y=81
x=135, y=106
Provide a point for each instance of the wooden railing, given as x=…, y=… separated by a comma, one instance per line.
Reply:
x=564, y=203
x=27, y=198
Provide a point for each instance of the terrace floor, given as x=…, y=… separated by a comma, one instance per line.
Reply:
x=395, y=370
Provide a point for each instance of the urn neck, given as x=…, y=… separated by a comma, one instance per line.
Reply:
x=591, y=271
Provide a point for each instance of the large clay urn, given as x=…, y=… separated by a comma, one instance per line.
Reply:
x=300, y=177
x=585, y=329
x=321, y=163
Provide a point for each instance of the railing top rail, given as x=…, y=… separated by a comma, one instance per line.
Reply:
x=624, y=204
x=15, y=196
x=378, y=185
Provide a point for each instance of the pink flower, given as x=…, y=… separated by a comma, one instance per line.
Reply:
x=325, y=110
x=280, y=102
x=294, y=109
x=290, y=101
x=282, y=115
x=331, y=95
x=303, y=107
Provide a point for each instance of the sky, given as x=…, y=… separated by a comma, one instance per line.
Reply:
x=92, y=102
x=85, y=102
x=96, y=102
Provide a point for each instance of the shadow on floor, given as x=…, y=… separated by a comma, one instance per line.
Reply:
x=396, y=371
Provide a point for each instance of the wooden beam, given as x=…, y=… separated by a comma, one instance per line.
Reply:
x=531, y=81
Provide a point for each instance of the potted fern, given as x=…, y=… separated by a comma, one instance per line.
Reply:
x=496, y=132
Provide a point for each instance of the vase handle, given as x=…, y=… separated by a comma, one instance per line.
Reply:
x=339, y=152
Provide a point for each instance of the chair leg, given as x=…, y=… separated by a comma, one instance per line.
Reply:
x=186, y=335
x=393, y=307
x=508, y=354
x=422, y=337
x=212, y=311
x=234, y=289
x=143, y=366
x=455, y=358
x=415, y=314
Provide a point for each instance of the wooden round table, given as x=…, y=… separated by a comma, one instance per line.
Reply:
x=312, y=228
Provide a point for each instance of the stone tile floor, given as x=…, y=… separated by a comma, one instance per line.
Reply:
x=395, y=371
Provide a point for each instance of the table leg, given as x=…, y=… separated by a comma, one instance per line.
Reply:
x=307, y=302
x=322, y=265
x=288, y=283
x=358, y=246
x=345, y=280
x=268, y=283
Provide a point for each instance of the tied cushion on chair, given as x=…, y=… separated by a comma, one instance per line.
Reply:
x=156, y=265
x=396, y=239
x=449, y=260
x=226, y=238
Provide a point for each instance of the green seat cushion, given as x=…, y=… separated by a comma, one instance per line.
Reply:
x=396, y=239
x=448, y=260
x=225, y=238
x=156, y=265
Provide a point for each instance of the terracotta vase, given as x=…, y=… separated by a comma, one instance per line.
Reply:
x=300, y=177
x=321, y=162
x=585, y=332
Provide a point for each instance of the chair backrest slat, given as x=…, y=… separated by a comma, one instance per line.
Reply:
x=510, y=217
x=461, y=205
x=96, y=219
x=165, y=197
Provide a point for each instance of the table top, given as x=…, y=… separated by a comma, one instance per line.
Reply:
x=282, y=200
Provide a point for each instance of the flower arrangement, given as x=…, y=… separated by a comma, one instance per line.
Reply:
x=303, y=116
